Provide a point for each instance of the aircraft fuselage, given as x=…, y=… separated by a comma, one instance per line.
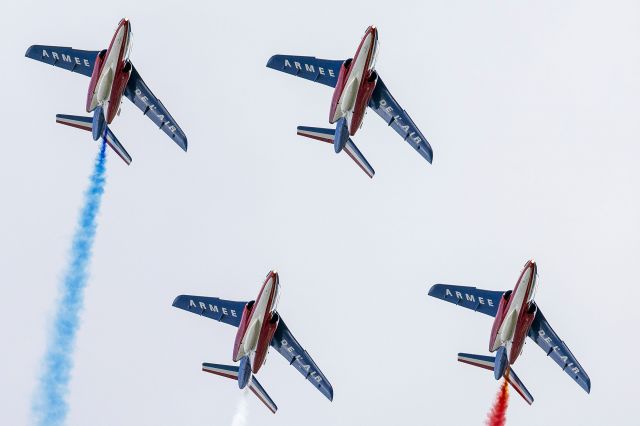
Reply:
x=355, y=84
x=258, y=324
x=111, y=73
x=515, y=314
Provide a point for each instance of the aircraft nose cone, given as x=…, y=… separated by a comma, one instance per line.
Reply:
x=273, y=275
x=373, y=31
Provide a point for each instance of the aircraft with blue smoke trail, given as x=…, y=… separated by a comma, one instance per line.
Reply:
x=112, y=77
x=356, y=85
x=516, y=317
x=260, y=327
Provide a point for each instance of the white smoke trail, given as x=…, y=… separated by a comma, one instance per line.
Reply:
x=242, y=410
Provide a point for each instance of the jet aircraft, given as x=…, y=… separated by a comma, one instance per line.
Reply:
x=260, y=326
x=112, y=77
x=516, y=317
x=356, y=85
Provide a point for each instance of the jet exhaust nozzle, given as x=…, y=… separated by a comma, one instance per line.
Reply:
x=99, y=124
x=501, y=363
x=244, y=372
x=341, y=135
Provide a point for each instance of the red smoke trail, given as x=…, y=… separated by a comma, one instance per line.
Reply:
x=498, y=414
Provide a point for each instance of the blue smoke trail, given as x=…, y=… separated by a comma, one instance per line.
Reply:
x=50, y=404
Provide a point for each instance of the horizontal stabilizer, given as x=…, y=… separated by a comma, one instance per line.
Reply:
x=317, y=133
x=262, y=395
x=517, y=384
x=488, y=362
x=231, y=372
x=86, y=123
x=482, y=361
x=327, y=135
x=117, y=146
x=355, y=154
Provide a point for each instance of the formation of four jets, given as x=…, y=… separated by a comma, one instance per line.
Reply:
x=357, y=86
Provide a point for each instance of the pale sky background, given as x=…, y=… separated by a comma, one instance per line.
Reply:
x=532, y=111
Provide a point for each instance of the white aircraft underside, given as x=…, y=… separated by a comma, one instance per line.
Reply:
x=357, y=72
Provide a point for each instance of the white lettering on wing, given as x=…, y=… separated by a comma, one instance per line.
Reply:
x=469, y=297
x=399, y=120
x=555, y=348
x=306, y=367
x=213, y=308
x=66, y=58
x=309, y=68
x=152, y=107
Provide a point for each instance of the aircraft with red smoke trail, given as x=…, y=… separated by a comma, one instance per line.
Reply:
x=112, y=77
x=259, y=328
x=356, y=85
x=516, y=316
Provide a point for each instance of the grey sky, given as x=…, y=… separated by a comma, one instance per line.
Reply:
x=531, y=108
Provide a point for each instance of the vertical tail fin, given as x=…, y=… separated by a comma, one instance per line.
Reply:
x=86, y=123
x=231, y=372
x=488, y=363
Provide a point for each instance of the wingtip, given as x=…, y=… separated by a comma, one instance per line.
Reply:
x=175, y=303
x=270, y=61
x=329, y=395
x=430, y=156
x=432, y=290
x=29, y=49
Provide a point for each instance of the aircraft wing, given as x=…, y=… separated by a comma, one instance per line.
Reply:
x=542, y=333
x=323, y=71
x=226, y=311
x=485, y=301
x=79, y=61
x=139, y=93
x=284, y=342
x=385, y=105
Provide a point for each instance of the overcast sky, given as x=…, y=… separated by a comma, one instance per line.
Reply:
x=532, y=111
